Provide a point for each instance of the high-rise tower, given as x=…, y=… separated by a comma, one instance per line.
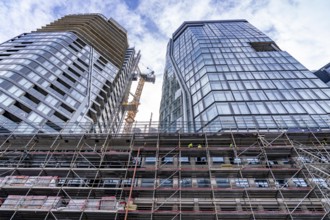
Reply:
x=72, y=74
x=224, y=75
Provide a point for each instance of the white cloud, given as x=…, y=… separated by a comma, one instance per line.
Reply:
x=299, y=27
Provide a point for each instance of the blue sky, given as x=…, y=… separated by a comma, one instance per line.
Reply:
x=132, y=5
x=301, y=27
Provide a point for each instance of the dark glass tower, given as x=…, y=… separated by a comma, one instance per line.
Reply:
x=67, y=76
x=225, y=75
x=324, y=73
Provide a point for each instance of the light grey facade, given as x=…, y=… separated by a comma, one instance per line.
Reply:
x=51, y=80
x=223, y=75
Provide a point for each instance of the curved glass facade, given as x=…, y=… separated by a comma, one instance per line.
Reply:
x=49, y=80
x=235, y=77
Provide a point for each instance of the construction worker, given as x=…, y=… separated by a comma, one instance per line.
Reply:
x=190, y=145
x=199, y=146
x=231, y=145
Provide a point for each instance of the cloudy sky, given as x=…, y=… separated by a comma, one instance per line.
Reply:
x=301, y=27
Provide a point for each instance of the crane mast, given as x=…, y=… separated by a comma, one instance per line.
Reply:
x=132, y=106
x=130, y=117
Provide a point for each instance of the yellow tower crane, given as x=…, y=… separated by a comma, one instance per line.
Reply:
x=132, y=107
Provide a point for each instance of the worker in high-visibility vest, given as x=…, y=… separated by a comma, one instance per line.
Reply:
x=190, y=145
x=231, y=145
x=199, y=146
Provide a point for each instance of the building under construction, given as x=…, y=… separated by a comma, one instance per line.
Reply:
x=224, y=175
x=256, y=145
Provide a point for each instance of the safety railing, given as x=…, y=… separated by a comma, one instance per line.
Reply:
x=294, y=126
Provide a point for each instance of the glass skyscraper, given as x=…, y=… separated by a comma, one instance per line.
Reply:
x=223, y=75
x=72, y=74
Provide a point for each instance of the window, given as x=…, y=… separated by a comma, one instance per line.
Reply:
x=319, y=83
x=257, y=95
x=15, y=91
x=235, y=85
x=211, y=112
x=223, y=96
x=34, y=117
x=223, y=108
x=299, y=182
x=320, y=182
x=261, y=183
x=203, y=182
x=51, y=100
x=266, y=84
x=165, y=183
x=270, y=163
x=242, y=182
x=44, y=108
x=240, y=108
x=261, y=108
x=167, y=160
x=218, y=160
x=34, y=76
x=6, y=100
x=147, y=182
x=281, y=183
x=184, y=160
x=45, y=84
x=236, y=160
x=251, y=84
x=304, y=159
x=276, y=107
x=77, y=182
x=201, y=160
x=128, y=183
x=286, y=161
x=112, y=183
x=253, y=161
x=77, y=95
x=241, y=95
x=185, y=182
x=71, y=101
x=320, y=94
x=150, y=160
x=293, y=107
x=222, y=182
x=314, y=106
x=306, y=94
x=26, y=84
x=204, y=80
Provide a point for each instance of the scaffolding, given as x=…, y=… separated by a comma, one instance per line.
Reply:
x=228, y=175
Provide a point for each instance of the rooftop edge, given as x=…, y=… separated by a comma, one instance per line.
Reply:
x=199, y=23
